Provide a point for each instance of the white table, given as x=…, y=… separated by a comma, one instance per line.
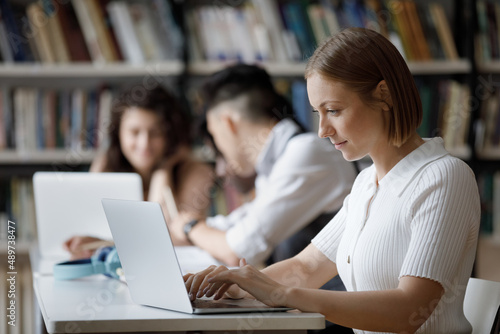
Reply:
x=98, y=304
x=101, y=305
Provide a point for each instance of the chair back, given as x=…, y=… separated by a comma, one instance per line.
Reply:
x=481, y=304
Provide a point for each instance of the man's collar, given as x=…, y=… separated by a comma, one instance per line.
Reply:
x=275, y=145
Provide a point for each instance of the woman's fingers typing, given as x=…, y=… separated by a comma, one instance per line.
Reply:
x=200, y=284
x=197, y=284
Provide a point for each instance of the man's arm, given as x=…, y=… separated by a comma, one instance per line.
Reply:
x=214, y=242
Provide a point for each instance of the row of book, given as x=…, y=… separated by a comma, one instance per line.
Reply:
x=447, y=111
x=17, y=204
x=43, y=119
x=263, y=30
x=487, y=39
x=489, y=189
x=38, y=119
x=101, y=31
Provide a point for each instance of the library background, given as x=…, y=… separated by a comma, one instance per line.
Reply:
x=63, y=61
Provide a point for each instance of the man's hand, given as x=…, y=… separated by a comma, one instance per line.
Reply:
x=176, y=228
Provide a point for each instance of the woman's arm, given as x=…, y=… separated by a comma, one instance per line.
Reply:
x=400, y=310
x=308, y=269
x=98, y=164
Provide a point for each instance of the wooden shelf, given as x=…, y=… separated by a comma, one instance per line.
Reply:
x=88, y=70
x=464, y=152
x=489, y=67
x=273, y=68
x=435, y=67
x=492, y=153
x=61, y=156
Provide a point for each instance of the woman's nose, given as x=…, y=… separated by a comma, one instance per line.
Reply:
x=325, y=129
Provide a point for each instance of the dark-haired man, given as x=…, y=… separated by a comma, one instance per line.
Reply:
x=301, y=179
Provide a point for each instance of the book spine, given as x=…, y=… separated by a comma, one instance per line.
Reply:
x=89, y=31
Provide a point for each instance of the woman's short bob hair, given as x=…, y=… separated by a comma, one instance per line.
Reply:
x=360, y=58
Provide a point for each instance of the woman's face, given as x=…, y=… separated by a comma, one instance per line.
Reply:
x=355, y=128
x=142, y=138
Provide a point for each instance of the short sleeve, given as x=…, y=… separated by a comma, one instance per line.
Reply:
x=445, y=222
x=328, y=239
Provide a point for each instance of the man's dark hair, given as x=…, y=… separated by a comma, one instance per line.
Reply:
x=253, y=85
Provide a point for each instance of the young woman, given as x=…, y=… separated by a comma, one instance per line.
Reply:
x=149, y=134
x=404, y=242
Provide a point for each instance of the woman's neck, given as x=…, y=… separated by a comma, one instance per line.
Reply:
x=385, y=158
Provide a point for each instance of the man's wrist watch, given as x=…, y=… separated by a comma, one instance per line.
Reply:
x=188, y=227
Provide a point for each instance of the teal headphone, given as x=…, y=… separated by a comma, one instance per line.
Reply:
x=104, y=261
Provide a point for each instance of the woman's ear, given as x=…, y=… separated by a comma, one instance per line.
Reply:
x=384, y=94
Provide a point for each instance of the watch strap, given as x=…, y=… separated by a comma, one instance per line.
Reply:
x=188, y=227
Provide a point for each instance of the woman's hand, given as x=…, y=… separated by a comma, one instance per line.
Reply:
x=252, y=281
x=197, y=284
x=220, y=282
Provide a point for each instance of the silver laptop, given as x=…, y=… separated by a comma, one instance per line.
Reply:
x=150, y=264
x=69, y=203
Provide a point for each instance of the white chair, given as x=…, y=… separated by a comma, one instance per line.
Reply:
x=482, y=299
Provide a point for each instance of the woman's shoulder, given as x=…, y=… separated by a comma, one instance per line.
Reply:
x=448, y=166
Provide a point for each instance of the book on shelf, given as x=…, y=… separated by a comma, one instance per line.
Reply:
x=39, y=26
x=47, y=119
x=489, y=190
x=19, y=40
x=5, y=49
x=90, y=32
x=318, y=21
x=488, y=124
x=125, y=33
x=430, y=32
x=294, y=28
x=98, y=31
x=487, y=38
x=444, y=31
x=445, y=111
x=55, y=29
x=72, y=34
x=98, y=16
x=17, y=205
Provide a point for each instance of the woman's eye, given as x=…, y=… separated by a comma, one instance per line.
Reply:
x=332, y=111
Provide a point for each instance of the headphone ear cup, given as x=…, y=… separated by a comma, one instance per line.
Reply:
x=101, y=254
x=113, y=263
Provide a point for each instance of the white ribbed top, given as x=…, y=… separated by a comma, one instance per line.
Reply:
x=423, y=221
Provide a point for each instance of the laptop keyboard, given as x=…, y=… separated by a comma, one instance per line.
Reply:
x=208, y=303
